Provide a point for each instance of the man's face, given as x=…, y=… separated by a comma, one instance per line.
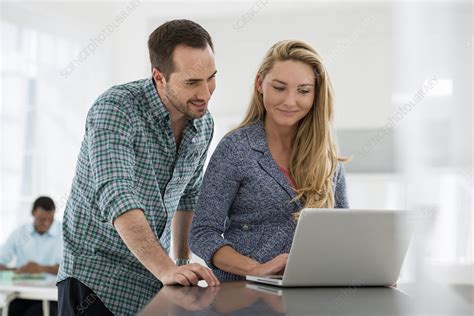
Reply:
x=192, y=82
x=43, y=220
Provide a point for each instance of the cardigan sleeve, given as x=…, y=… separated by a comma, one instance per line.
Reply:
x=219, y=188
x=340, y=192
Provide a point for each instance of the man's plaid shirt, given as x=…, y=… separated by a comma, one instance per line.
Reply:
x=128, y=160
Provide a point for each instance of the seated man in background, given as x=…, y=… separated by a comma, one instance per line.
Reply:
x=34, y=248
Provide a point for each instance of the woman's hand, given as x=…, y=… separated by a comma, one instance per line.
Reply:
x=275, y=266
x=229, y=260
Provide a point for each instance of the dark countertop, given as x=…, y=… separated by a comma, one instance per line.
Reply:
x=246, y=298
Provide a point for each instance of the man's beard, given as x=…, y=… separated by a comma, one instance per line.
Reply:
x=180, y=107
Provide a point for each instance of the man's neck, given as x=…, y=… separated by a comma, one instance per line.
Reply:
x=38, y=232
x=178, y=120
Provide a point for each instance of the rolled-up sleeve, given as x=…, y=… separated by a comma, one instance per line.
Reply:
x=188, y=200
x=340, y=191
x=112, y=160
x=219, y=188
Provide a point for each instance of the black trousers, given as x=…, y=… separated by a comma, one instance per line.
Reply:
x=20, y=307
x=74, y=298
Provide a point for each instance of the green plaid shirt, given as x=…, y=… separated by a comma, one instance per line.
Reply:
x=128, y=160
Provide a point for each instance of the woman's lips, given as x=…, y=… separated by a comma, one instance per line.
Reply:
x=288, y=113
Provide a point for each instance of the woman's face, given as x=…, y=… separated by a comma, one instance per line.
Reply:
x=288, y=92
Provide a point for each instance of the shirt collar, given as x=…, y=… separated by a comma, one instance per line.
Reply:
x=156, y=106
x=52, y=231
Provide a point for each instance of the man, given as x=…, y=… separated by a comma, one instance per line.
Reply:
x=137, y=178
x=34, y=248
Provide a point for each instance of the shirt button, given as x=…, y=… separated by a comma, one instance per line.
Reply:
x=245, y=227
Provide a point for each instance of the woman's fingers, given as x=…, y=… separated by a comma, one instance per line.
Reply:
x=279, y=263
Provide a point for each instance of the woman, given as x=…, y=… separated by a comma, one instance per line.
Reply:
x=281, y=159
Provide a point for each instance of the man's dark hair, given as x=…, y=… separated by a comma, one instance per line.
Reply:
x=45, y=203
x=166, y=37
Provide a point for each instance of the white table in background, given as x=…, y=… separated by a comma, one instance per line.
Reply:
x=42, y=290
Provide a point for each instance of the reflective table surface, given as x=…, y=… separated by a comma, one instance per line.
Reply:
x=246, y=298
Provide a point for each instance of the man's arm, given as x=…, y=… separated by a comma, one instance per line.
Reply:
x=51, y=269
x=183, y=217
x=135, y=231
x=110, y=134
x=33, y=267
x=8, y=252
x=181, y=225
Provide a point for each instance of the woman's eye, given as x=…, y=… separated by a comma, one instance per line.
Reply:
x=278, y=88
x=304, y=91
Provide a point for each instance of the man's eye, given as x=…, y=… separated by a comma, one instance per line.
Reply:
x=191, y=83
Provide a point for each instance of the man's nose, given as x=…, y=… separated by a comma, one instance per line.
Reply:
x=204, y=92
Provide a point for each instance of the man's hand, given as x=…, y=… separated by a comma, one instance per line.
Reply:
x=5, y=268
x=189, y=274
x=30, y=267
x=275, y=266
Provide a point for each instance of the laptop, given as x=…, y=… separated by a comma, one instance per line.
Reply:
x=345, y=247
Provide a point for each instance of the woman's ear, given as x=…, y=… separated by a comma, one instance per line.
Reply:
x=259, y=83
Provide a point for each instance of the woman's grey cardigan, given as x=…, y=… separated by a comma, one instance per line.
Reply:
x=245, y=201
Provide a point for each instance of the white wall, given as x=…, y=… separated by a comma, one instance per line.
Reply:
x=378, y=55
x=341, y=33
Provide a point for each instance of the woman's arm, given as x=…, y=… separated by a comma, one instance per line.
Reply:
x=219, y=189
x=229, y=260
x=220, y=185
x=340, y=191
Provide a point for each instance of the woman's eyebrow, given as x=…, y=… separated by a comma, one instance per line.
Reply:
x=279, y=81
x=301, y=85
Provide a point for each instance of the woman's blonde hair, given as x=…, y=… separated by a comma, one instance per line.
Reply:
x=314, y=158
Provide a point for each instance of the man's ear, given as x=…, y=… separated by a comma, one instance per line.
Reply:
x=159, y=77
